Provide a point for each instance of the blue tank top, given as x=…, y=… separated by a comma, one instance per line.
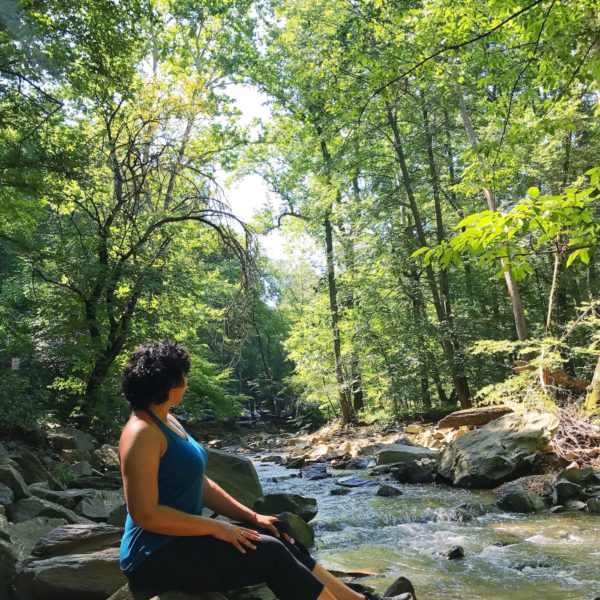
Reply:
x=180, y=477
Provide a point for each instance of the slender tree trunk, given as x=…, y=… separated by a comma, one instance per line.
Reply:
x=343, y=391
x=513, y=290
x=450, y=344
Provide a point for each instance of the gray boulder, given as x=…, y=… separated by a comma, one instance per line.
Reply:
x=593, y=505
x=422, y=470
x=11, y=478
x=8, y=563
x=90, y=576
x=6, y=495
x=235, y=474
x=118, y=516
x=77, y=539
x=82, y=468
x=389, y=491
x=25, y=535
x=399, y=453
x=72, y=562
x=514, y=496
x=28, y=508
x=70, y=438
x=31, y=467
x=496, y=452
x=565, y=490
x=93, y=508
x=272, y=504
x=402, y=585
x=66, y=498
x=301, y=530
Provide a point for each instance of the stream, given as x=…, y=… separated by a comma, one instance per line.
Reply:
x=507, y=556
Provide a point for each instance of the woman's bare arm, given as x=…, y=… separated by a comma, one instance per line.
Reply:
x=140, y=450
x=217, y=499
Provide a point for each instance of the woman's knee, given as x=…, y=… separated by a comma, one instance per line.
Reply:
x=272, y=546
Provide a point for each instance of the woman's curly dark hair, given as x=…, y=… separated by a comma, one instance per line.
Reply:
x=152, y=370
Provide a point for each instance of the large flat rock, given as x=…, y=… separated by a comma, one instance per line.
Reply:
x=495, y=453
x=399, y=453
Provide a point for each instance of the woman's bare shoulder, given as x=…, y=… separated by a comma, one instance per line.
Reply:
x=139, y=432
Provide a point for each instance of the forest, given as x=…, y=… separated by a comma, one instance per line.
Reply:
x=433, y=166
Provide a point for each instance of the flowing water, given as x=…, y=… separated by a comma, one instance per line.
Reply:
x=507, y=556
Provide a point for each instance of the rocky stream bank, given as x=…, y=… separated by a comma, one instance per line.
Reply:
x=358, y=495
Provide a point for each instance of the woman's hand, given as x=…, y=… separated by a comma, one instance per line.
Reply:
x=266, y=522
x=240, y=537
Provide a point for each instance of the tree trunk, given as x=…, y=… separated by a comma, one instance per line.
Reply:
x=513, y=290
x=343, y=390
x=450, y=344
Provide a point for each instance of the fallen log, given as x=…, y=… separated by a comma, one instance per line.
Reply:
x=473, y=417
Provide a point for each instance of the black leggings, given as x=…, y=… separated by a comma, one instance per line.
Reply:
x=206, y=564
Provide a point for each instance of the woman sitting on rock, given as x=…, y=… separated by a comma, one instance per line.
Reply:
x=167, y=544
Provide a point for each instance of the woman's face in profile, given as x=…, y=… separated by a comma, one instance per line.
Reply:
x=176, y=393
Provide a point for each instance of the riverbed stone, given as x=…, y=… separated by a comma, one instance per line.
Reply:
x=495, y=453
x=453, y=553
x=525, y=495
x=423, y=470
x=353, y=482
x=593, y=505
x=301, y=530
x=235, y=474
x=315, y=472
x=28, y=508
x=565, y=490
x=339, y=491
x=402, y=585
x=399, y=453
x=294, y=503
x=389, y=491
x=575, y=505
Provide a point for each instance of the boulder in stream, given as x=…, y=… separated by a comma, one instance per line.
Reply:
x=389, y=491
x=488, y=456
x=400, y=453
x=525, y=495
x=235, y=474
x=273, y=504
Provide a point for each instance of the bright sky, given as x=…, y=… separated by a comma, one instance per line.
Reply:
x=250, y=194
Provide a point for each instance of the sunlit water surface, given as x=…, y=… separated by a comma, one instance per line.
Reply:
x=507, y=556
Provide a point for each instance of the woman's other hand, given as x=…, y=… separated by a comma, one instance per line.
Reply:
x=240, y=537
x=268, y=522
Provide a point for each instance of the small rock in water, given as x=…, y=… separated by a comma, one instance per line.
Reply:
x=575, y=505
x=389, y=491
x=340, y=491
x=273, y=458
x=593, y=505
x=353, y=482
x=315, y=472
x=402, y=585
x=453, y=553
